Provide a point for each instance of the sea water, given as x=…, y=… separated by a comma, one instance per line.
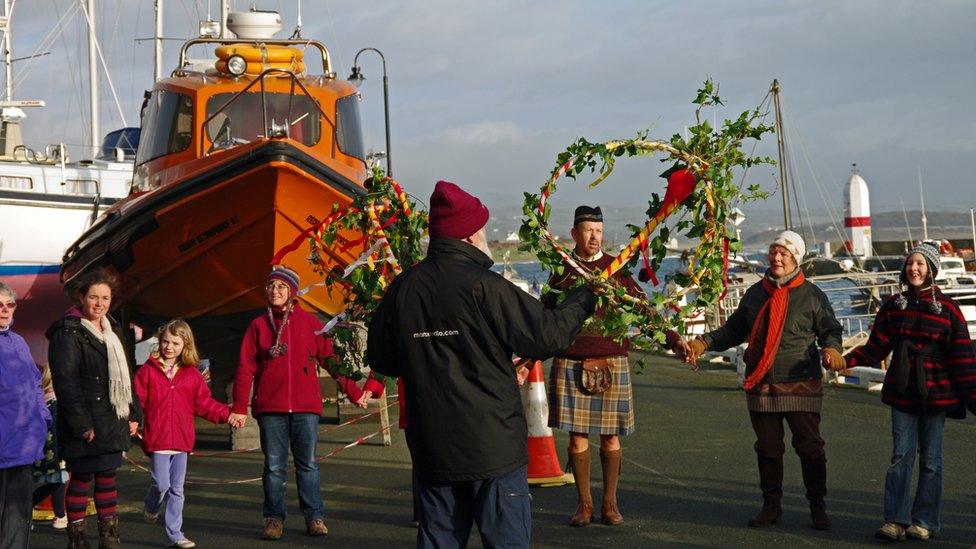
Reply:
x=839, y=291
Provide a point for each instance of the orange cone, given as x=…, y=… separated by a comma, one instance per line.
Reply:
x=544, y=469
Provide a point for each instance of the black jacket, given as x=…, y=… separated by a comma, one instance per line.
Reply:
x=449, y=327
x=79, y=370
x=809, y=322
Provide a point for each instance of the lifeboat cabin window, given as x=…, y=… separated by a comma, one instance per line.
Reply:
x=81, y=186
x=16, y=182
x=349, y=131
x=241, y=121
x=167, y=125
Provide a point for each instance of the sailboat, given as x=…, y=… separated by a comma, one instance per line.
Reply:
x=239, y=155
x=48, y=200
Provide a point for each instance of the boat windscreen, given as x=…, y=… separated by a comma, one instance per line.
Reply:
x=241, y=121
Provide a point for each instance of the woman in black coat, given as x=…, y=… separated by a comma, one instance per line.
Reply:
x=98, y=413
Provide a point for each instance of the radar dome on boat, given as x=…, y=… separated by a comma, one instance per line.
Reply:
x=254, y=25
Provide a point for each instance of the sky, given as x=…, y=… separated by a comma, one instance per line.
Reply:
x=487, y=93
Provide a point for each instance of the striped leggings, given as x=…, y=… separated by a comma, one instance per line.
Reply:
x=106, y=496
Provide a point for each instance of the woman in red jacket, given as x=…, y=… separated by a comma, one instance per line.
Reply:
x=172, y=392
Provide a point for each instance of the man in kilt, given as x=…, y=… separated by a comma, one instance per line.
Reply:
x=577, y=405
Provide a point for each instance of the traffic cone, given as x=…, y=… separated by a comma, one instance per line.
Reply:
x=544, y=469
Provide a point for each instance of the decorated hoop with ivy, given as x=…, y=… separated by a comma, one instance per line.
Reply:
x=702, y=185
x=388, y=228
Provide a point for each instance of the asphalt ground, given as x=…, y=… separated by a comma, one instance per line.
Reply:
x=689, y=479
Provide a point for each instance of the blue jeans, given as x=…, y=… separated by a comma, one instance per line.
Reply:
x=300, y=433
x=168, y=474
x=500, y=506
x=913, y=433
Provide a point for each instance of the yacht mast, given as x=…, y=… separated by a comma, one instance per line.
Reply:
x=781, y=147
x=921, y=197
x=158, y=43
x=7, y=61
x=92, y=78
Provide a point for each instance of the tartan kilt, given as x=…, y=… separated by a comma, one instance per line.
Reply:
x=608, y=413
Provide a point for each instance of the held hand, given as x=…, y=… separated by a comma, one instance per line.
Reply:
x=364, y=400
x=133, y=428
x=833, y=360
x=681, y=349
x=695, y=350
x=237, y=420
x=89, y=435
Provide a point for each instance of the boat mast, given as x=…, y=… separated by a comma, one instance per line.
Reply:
x=92, y=77
x=7, y=60
x=921, y=197
x=972, y=225
x=158, y=43
x=781, y=147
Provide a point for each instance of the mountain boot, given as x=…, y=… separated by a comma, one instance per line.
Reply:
x=76, y=535
x=815, y=480
x=108, y=533
x=612, y=461
x=580, y=464
x=771, y=483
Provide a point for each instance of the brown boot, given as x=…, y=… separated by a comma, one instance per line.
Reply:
x=273, y=528
x=612, y=461
x=108, y=533
x=815, y=480
x=580, y=464
x=771, y=483
x=76, y=535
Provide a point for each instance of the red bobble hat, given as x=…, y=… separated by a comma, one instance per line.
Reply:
x=455, y=213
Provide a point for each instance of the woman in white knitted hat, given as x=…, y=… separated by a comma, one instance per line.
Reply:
x=789, y=325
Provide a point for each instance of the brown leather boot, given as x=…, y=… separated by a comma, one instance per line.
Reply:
x=76, y=535
x=108, y=533
x=612, y=461
x=274, y=528
x=580, y=464
x=815, y=480
x=771, y=483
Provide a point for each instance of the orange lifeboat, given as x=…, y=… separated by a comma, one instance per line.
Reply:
x=234, y=162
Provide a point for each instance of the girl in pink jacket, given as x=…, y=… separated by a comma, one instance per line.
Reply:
x=172, y=391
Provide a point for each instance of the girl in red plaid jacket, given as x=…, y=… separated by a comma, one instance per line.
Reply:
x=932, y=375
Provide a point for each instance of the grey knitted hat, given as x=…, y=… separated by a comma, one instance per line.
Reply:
x=931, y=255
x=930, y=252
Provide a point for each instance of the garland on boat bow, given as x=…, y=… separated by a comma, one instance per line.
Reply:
x=701, y=187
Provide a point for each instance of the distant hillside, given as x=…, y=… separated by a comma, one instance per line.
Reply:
x=885, y=226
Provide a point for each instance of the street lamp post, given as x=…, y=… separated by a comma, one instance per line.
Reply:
x=357, y=78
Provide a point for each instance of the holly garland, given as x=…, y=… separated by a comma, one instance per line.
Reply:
x=386, y=225
x=702, y=187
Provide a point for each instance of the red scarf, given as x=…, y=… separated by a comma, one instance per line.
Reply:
x=775, y=310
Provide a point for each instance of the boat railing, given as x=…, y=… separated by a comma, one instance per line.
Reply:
x=326, y=58
x=259, y=81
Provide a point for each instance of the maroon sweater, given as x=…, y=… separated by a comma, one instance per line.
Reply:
x=949, y=364
x=589, y=343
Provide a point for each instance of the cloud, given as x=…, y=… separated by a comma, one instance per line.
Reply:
x=485, y=133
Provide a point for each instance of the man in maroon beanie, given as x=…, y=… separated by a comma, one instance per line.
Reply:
x=449, y=327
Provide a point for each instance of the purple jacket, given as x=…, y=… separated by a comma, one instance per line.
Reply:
x=24, y=418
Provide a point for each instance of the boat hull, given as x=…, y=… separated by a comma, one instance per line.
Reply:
x=203, y=246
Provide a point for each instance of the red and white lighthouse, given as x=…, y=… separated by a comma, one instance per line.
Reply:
x=857, y=209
